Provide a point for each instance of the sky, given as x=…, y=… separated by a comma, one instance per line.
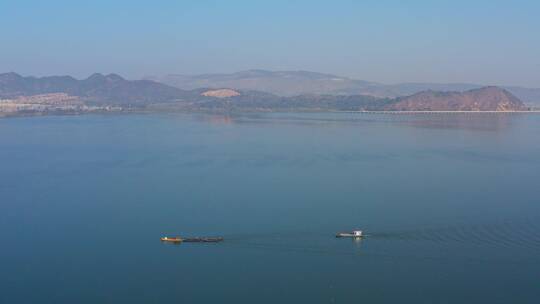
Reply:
x=476, y=41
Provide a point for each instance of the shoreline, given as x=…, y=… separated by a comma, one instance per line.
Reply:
x=443, y=112
x=146, y=111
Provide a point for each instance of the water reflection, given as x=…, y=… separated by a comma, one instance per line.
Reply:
x=217, y=119
x=466, y=121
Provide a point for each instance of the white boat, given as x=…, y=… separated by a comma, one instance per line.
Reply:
x=352, y=234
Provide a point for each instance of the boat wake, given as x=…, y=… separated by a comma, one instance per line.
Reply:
x=521, y=236
x=523, y=233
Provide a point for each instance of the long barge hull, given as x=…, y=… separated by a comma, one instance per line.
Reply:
x=203, y=240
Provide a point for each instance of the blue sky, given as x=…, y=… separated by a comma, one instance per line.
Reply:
x=486, y=42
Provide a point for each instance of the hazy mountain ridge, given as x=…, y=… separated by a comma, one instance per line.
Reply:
x=112, y=91
x=293, y=83
x=282, y=83
x=98, y=88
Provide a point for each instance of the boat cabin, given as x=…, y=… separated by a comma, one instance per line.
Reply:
x=352, y=234
x=357, y=233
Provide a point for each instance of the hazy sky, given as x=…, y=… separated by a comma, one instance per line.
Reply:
x=487, y=42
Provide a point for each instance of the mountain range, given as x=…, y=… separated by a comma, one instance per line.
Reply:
x=98, y=88
x=293, y=83
x=58, y=93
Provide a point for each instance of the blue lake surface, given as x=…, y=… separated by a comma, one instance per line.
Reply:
x=450, y=204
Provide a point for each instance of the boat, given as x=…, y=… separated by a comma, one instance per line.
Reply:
x=203, y=240
x=171, y=239
x=192, y=240
x=352, y=234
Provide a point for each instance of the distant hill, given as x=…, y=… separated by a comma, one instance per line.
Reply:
x=292, y=83
x=98, y=88
x=282, y=83
x=530, y=96
x=483, y=99
x=221, y=93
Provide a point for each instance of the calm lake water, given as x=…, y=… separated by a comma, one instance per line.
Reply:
x=450, y=204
